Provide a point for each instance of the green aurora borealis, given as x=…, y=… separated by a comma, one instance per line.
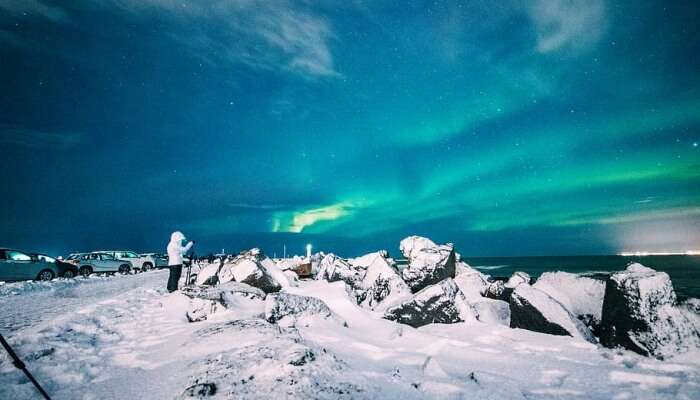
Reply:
x=542, y=127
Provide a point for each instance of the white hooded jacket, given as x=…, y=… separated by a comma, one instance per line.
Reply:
x=175, y=248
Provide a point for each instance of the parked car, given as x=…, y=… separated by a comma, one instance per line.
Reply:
x=160, y=260
x=16, y=265
x=89, y=263
x=65, y=269
x=138, y=262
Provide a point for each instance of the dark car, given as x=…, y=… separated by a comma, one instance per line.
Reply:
x=65, y=270
x=16, y=265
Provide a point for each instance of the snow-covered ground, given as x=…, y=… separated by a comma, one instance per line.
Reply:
x=124, y=337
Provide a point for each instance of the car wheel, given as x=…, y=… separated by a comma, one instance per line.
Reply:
x=147, y=266
x=85, y=271
x=124, y=269
x=69, y=274
x=45, y=275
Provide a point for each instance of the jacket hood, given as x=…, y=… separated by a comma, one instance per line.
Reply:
x=177, y=237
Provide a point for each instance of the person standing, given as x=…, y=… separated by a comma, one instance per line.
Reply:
x=175, y=252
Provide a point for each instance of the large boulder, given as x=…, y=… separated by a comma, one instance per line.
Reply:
x=497, y=290
x=285, y=305
x=205, y=301
x=441, y=303
x=333, y=268
x=639, y=314
x=428, y=263
x=363, y=262
x=381, y=285
x=581, y=295
x=491, y=311
x=535, y=310
x=471, y=282
x=254, y=268
x=517, y=278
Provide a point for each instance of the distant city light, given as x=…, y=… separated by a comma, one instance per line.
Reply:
x=659, y=253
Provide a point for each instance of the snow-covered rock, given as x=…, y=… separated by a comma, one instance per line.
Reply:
x=517, y=278
x=205, y=301
x=535, y=310
x=581, y=295
x=281, y=305
x=428, y=263
x=254, y=268
x=275, y=272
x=208, y=274
x=497, y=290
x=363, y=262
x=471, y=282
x=412, y=245
x=491, y=311
x=440, y=303
x=381, y=286
x=333, y=268
x=639, y=314
x=292, y=277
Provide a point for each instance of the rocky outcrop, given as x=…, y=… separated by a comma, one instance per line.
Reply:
x=517, y=278
x=497, y=290
x=248, y=268
x=205, y=301
x=582, y=296
x=471, y=282
x=428, y=263
x=282, y=305
x=440, y=303
x=491, y=311
x=333, y=268
x=535, y=310
x=381, y=285
x=639, y=314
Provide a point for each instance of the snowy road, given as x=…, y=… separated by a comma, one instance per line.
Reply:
x=27, y=304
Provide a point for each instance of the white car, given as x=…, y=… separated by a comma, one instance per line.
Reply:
x=139, y=262
x=88, y=263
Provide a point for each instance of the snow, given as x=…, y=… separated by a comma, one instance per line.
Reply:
x=412, y=245
x=366, y=260
x=556, y=316
x=581, y=295
x=126, y=338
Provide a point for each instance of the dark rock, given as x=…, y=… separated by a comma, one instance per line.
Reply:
x=428, y=263
x=581, y=295
x=441, y=303
x=332, y=268
x=281, y=305
x=381, y=285
x=497, y=290
x=639, y=314
x=200, y=390
x=535, y=310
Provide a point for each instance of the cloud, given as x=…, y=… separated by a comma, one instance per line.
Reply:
x=36, y=138
x=567, y=24
x=276, y=35
x=38, y=8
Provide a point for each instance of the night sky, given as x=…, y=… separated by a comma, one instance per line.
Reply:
x=509, y=128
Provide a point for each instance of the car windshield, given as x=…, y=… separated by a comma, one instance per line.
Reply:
x=45, y=258
x=131, y=254
x=17, y=256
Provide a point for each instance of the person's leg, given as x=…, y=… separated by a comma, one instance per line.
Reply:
x=174, y=278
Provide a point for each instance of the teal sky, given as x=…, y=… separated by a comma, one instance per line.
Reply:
x=510, y=128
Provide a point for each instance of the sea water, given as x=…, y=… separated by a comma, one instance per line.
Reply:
x=683, y=269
